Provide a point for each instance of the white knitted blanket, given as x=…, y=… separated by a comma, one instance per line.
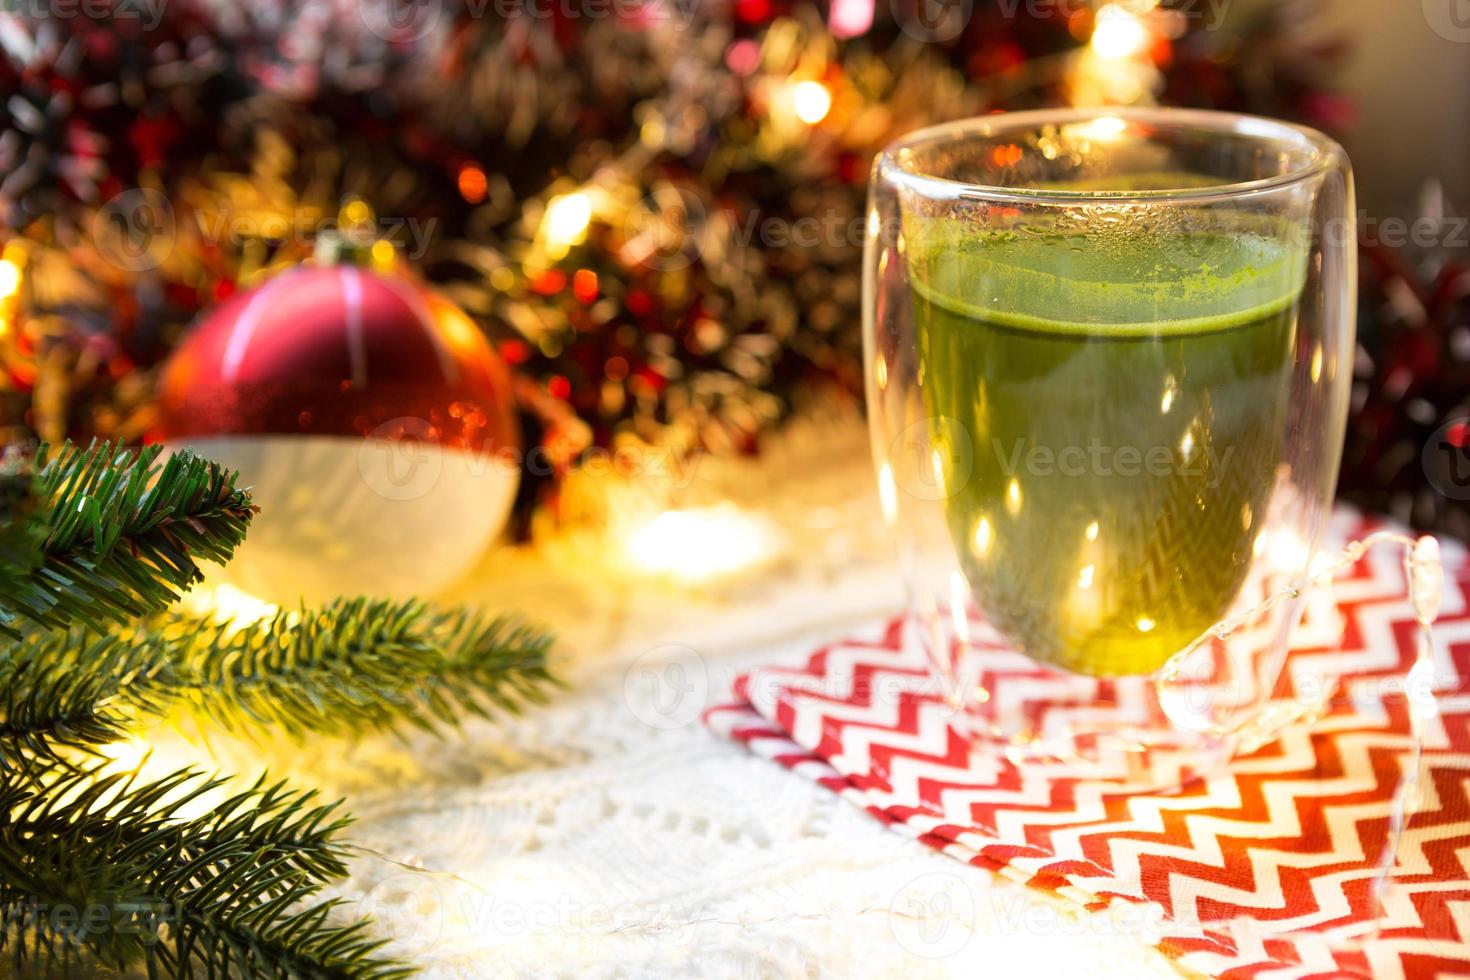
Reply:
x=611, y=834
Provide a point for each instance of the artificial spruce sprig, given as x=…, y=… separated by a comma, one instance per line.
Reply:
x=349, y=667
x=356, y=665
x=94, y=546
x=119, y=534
x=99, y=867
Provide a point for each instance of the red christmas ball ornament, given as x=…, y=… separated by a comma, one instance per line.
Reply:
x=372, y=420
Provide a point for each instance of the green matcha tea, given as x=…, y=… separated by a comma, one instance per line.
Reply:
x=1123, y=407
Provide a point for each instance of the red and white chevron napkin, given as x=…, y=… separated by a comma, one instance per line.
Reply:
x=1264, y=868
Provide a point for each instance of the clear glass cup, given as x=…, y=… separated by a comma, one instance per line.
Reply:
x=1108, y=358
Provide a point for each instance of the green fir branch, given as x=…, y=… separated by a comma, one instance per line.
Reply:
x=123, y=534
x=357, y=665
x=108, y=868
x=349, y=667
x=100, y=869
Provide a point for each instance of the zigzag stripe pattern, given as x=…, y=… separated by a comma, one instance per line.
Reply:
x=1263, y=869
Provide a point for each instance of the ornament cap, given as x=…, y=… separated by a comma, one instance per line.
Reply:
x=355, y=240
x=336, y=248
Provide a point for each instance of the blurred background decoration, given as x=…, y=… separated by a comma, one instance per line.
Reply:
x=652, y=208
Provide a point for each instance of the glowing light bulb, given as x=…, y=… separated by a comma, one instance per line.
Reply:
x=566, y=221
x=355, y=214
x=156, y=759
x=811, y=101
x=1013, y=496
x=936, y=463
x=887, y=493
x=473, y=185
x=229, y=606
x=9, y=278
x=125, y=755
x=1426, y=579
x=1145, y=624
x=1103, y=129
x=959, y=595
x=1084, y=578
x=1286, y=550
x=983, y=536
x=1118, y=33
x=700, y=544
x=383, y=254
x=1092, y=531
x=850, y=18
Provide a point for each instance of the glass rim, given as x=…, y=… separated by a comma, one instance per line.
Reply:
x=1323, y=152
